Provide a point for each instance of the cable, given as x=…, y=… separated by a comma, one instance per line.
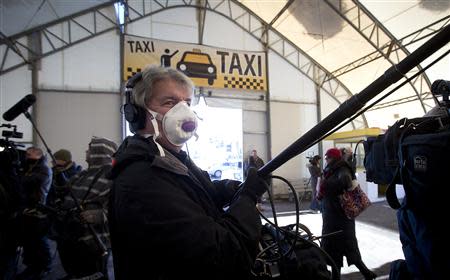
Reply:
x=275, y=223
x=288, y=234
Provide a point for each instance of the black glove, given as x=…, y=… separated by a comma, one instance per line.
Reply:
x=254, y=186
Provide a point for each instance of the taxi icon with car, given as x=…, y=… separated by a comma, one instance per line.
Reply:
x=198, y=65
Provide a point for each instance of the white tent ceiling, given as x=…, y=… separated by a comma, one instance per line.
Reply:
x=337, y=34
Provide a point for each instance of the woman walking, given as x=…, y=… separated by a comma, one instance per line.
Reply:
x=339, y=231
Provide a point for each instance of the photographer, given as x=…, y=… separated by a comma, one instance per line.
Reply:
x=167, y=219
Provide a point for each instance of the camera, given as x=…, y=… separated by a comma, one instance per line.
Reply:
x=386, y=154
x=415, y=153
x=10, y=164
x=291, y=252
x=441, y=88
x=12, y=134
x=7, y=134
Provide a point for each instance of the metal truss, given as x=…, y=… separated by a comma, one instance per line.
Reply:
x=396, y=102
x=412, y=38
x=57, y=36
x=386, y=45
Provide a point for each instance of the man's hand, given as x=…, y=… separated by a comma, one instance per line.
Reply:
x=254, y=185
x=92, y=216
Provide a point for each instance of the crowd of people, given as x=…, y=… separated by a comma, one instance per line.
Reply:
x=148, y=204
x=60, y=202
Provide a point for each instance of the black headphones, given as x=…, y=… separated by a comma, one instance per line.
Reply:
x=133, y=114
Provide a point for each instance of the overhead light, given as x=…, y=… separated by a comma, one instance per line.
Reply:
x=120, y=13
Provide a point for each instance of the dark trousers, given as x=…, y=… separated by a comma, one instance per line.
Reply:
x=8, y=251
x=79, y=260
x=36, y=253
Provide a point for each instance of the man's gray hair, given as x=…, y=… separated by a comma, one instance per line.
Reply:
x=152, y=74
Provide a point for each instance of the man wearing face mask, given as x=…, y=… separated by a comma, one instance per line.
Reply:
x=167, y=218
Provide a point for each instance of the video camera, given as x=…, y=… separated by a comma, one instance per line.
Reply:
x=10, y=156
x=7, y=134
x=442, y=88
x=10, y=163
x=415, y=153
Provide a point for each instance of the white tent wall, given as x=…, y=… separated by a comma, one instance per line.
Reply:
x=79, y=97
x=92, y=65
x=221, y=32
x=293, y=111
x=178, y=25
x=14, y=86
x=288, y=122
x=69, y=120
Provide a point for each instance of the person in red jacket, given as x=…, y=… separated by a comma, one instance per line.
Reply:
x=338, y=231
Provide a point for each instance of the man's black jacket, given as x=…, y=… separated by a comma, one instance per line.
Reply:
x=167, y=219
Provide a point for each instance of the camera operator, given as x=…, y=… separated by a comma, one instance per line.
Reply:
x=36, y=181
x=167, y=218
x=11, y=199
x=63, y=170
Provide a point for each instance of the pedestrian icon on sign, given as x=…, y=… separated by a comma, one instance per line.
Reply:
x=165, y=58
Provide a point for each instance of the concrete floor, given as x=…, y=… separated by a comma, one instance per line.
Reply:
x=376, y=230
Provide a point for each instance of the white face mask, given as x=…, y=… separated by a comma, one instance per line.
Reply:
x=179, y=124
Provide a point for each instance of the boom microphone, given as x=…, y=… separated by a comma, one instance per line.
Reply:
x=19, y=108
x=352, y=105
